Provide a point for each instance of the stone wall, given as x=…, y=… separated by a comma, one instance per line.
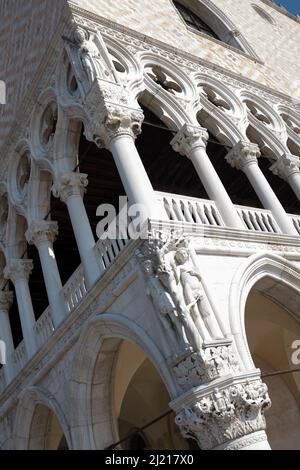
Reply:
x=26, y=28
x=277, y=45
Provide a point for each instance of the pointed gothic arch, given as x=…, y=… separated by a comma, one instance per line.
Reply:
x=271, y=274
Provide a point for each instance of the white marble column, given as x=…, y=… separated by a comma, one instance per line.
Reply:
x=191, y=141
x=6, y=300
x=120, y=131
x=244, y=157
x=19, y=270
x=42, y=234
x=70, y=189
x=287, y=167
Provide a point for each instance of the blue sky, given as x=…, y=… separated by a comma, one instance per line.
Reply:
x=291, y=5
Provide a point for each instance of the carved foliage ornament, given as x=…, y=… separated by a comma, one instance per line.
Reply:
x=225, y=415
x=188, y=139
x=40, y=231
x=206, y=365
x=243, y=154
x=286, y=166
x=70, y=184
x=111, y=114
x=18, y=269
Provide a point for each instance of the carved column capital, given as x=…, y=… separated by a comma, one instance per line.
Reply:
x=112, y=112
x=286, y=166
x=6, y=300
x=18, y=269
x=118, y=122
x=42, y=231
x=224, y=413
x=242, y=155
x=70, y=184
x=188, y=139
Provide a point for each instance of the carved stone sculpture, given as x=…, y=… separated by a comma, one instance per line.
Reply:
x=206, y=365
x=168, y=258
x=85, y=57
x=194, y=296
x=225, y=415
x=155, y=251
x=163, y=303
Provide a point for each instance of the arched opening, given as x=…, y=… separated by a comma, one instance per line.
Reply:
x=281, y=188
x=167, y=170
x=104, y=187
x=45, y=431
x=194, y=21
x=140, y=398
x=271, y=330
x=65, y=246
x=205, y=17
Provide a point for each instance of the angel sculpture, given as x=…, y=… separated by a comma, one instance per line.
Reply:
x=85, y=57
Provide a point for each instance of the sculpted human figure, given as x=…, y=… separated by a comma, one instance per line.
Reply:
x=89, y=55
x=194, y=295
x=163, y=303
x=167, y=278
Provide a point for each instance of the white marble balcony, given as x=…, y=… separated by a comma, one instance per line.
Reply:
x=186, y=212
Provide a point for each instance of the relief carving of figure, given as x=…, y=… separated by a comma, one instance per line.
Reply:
x=88, y=53
x=194, y=296
x=175, y=286
x=163, y=303
x=85, y=57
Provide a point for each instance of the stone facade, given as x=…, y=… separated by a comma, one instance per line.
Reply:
x=180, y=292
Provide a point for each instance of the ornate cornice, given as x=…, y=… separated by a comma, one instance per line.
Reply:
x=134, y=42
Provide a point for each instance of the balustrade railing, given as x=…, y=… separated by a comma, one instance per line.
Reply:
x=260, y=220
x=108, y=250
x=75, y=289
x=179, y=209
x=19, y=357
x=204, y=212
x=43, y=327
x=188, y=209
x=296, y=222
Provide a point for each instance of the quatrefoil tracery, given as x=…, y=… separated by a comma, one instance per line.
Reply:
x=163, y=79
